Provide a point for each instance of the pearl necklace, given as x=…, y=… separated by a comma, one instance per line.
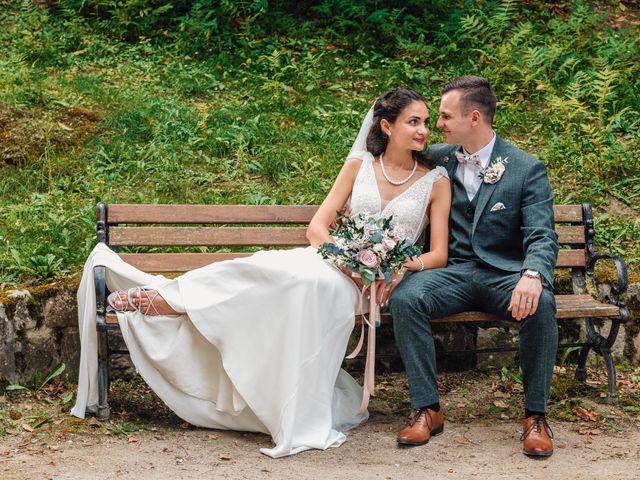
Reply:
x=401, y=182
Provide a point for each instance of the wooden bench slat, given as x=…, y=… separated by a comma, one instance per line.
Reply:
x=214, y=214
x=176, y=262
x=184, y=262
x=567, y=213
x=144, y=214
x=569, y=306
x=176, y=236
x=571, y=258
x=207, y=236
x=571, y=235
x=228, y=236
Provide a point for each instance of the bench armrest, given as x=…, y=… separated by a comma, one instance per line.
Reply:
x=617, y=288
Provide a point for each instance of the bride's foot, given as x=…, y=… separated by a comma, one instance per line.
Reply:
x=147, y=301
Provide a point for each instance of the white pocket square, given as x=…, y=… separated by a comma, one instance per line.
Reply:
x=497, y=206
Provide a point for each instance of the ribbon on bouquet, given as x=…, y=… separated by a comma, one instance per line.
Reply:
x=368, y=389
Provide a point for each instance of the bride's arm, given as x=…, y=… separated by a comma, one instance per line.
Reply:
x=438, y=211
x=318, y=230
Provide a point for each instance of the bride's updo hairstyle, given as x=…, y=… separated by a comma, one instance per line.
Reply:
x=389, y=106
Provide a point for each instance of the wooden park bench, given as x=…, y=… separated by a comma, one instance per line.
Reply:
x=184, y=230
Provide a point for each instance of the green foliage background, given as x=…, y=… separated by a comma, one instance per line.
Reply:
x=257, y=101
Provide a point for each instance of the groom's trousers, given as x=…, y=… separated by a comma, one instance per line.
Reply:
x=470, y=286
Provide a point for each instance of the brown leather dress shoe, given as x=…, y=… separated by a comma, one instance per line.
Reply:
x=536, y=437
x=423, y=424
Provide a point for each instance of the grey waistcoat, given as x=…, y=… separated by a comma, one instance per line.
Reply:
x=461, y=223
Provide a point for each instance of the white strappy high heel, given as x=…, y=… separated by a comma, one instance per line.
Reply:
x=130, y=306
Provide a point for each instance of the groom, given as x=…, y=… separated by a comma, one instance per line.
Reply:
x=502, y=252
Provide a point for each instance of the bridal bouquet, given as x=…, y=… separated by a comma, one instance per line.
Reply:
x=368, y=245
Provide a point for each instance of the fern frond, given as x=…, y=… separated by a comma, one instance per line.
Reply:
x=603, y=90
x=523, y=34
x=470, y=24
x=501, y=20
x=566, y=69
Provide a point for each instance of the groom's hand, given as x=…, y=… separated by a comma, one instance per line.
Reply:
x=524, y=299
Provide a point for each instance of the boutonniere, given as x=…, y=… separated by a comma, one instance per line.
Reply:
x=445, y=160
x=494, y=171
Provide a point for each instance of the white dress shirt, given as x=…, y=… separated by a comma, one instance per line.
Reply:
x=468, y=174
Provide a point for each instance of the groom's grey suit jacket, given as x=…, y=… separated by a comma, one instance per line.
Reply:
x=521, y=235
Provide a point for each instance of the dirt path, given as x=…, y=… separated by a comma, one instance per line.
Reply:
x=480, y=449
x=481, y=439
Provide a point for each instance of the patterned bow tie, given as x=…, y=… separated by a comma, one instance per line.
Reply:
x=468, y=159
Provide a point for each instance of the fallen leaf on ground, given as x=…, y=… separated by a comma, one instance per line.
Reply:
x=133, y=439
x=586, y=415
x=501, y=404
x=39, y=421
x=27, y=427
x=225, y=457
x=94, y=422
x=211, y=436
x=586, y=431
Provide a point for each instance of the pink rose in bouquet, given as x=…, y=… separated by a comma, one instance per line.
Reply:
x=389, y=243
x=368, y=258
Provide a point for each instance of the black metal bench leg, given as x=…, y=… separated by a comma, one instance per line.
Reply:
x=611, y=375
x=581, y=370
x=103, y=376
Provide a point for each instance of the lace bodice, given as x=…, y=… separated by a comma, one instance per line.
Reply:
x=409, y=209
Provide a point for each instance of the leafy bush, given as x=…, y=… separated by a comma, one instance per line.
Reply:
x=257, y=102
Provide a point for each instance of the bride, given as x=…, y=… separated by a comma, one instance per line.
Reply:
x=256, y=343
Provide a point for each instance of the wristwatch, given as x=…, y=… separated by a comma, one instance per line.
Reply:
x=531, y=274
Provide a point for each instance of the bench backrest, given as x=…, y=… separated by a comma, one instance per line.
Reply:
x=232, y=227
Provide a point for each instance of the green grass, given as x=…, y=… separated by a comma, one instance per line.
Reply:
x=255, y=102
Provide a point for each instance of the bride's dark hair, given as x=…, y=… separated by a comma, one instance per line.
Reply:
x=389, y=106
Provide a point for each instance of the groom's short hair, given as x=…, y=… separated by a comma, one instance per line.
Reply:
x=476, y=94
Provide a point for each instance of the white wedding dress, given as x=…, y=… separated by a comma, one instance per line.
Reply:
x=263, y=339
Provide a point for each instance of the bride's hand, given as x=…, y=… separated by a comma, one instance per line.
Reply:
x=356, y=279
x=414, y=264
x=384, y=289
